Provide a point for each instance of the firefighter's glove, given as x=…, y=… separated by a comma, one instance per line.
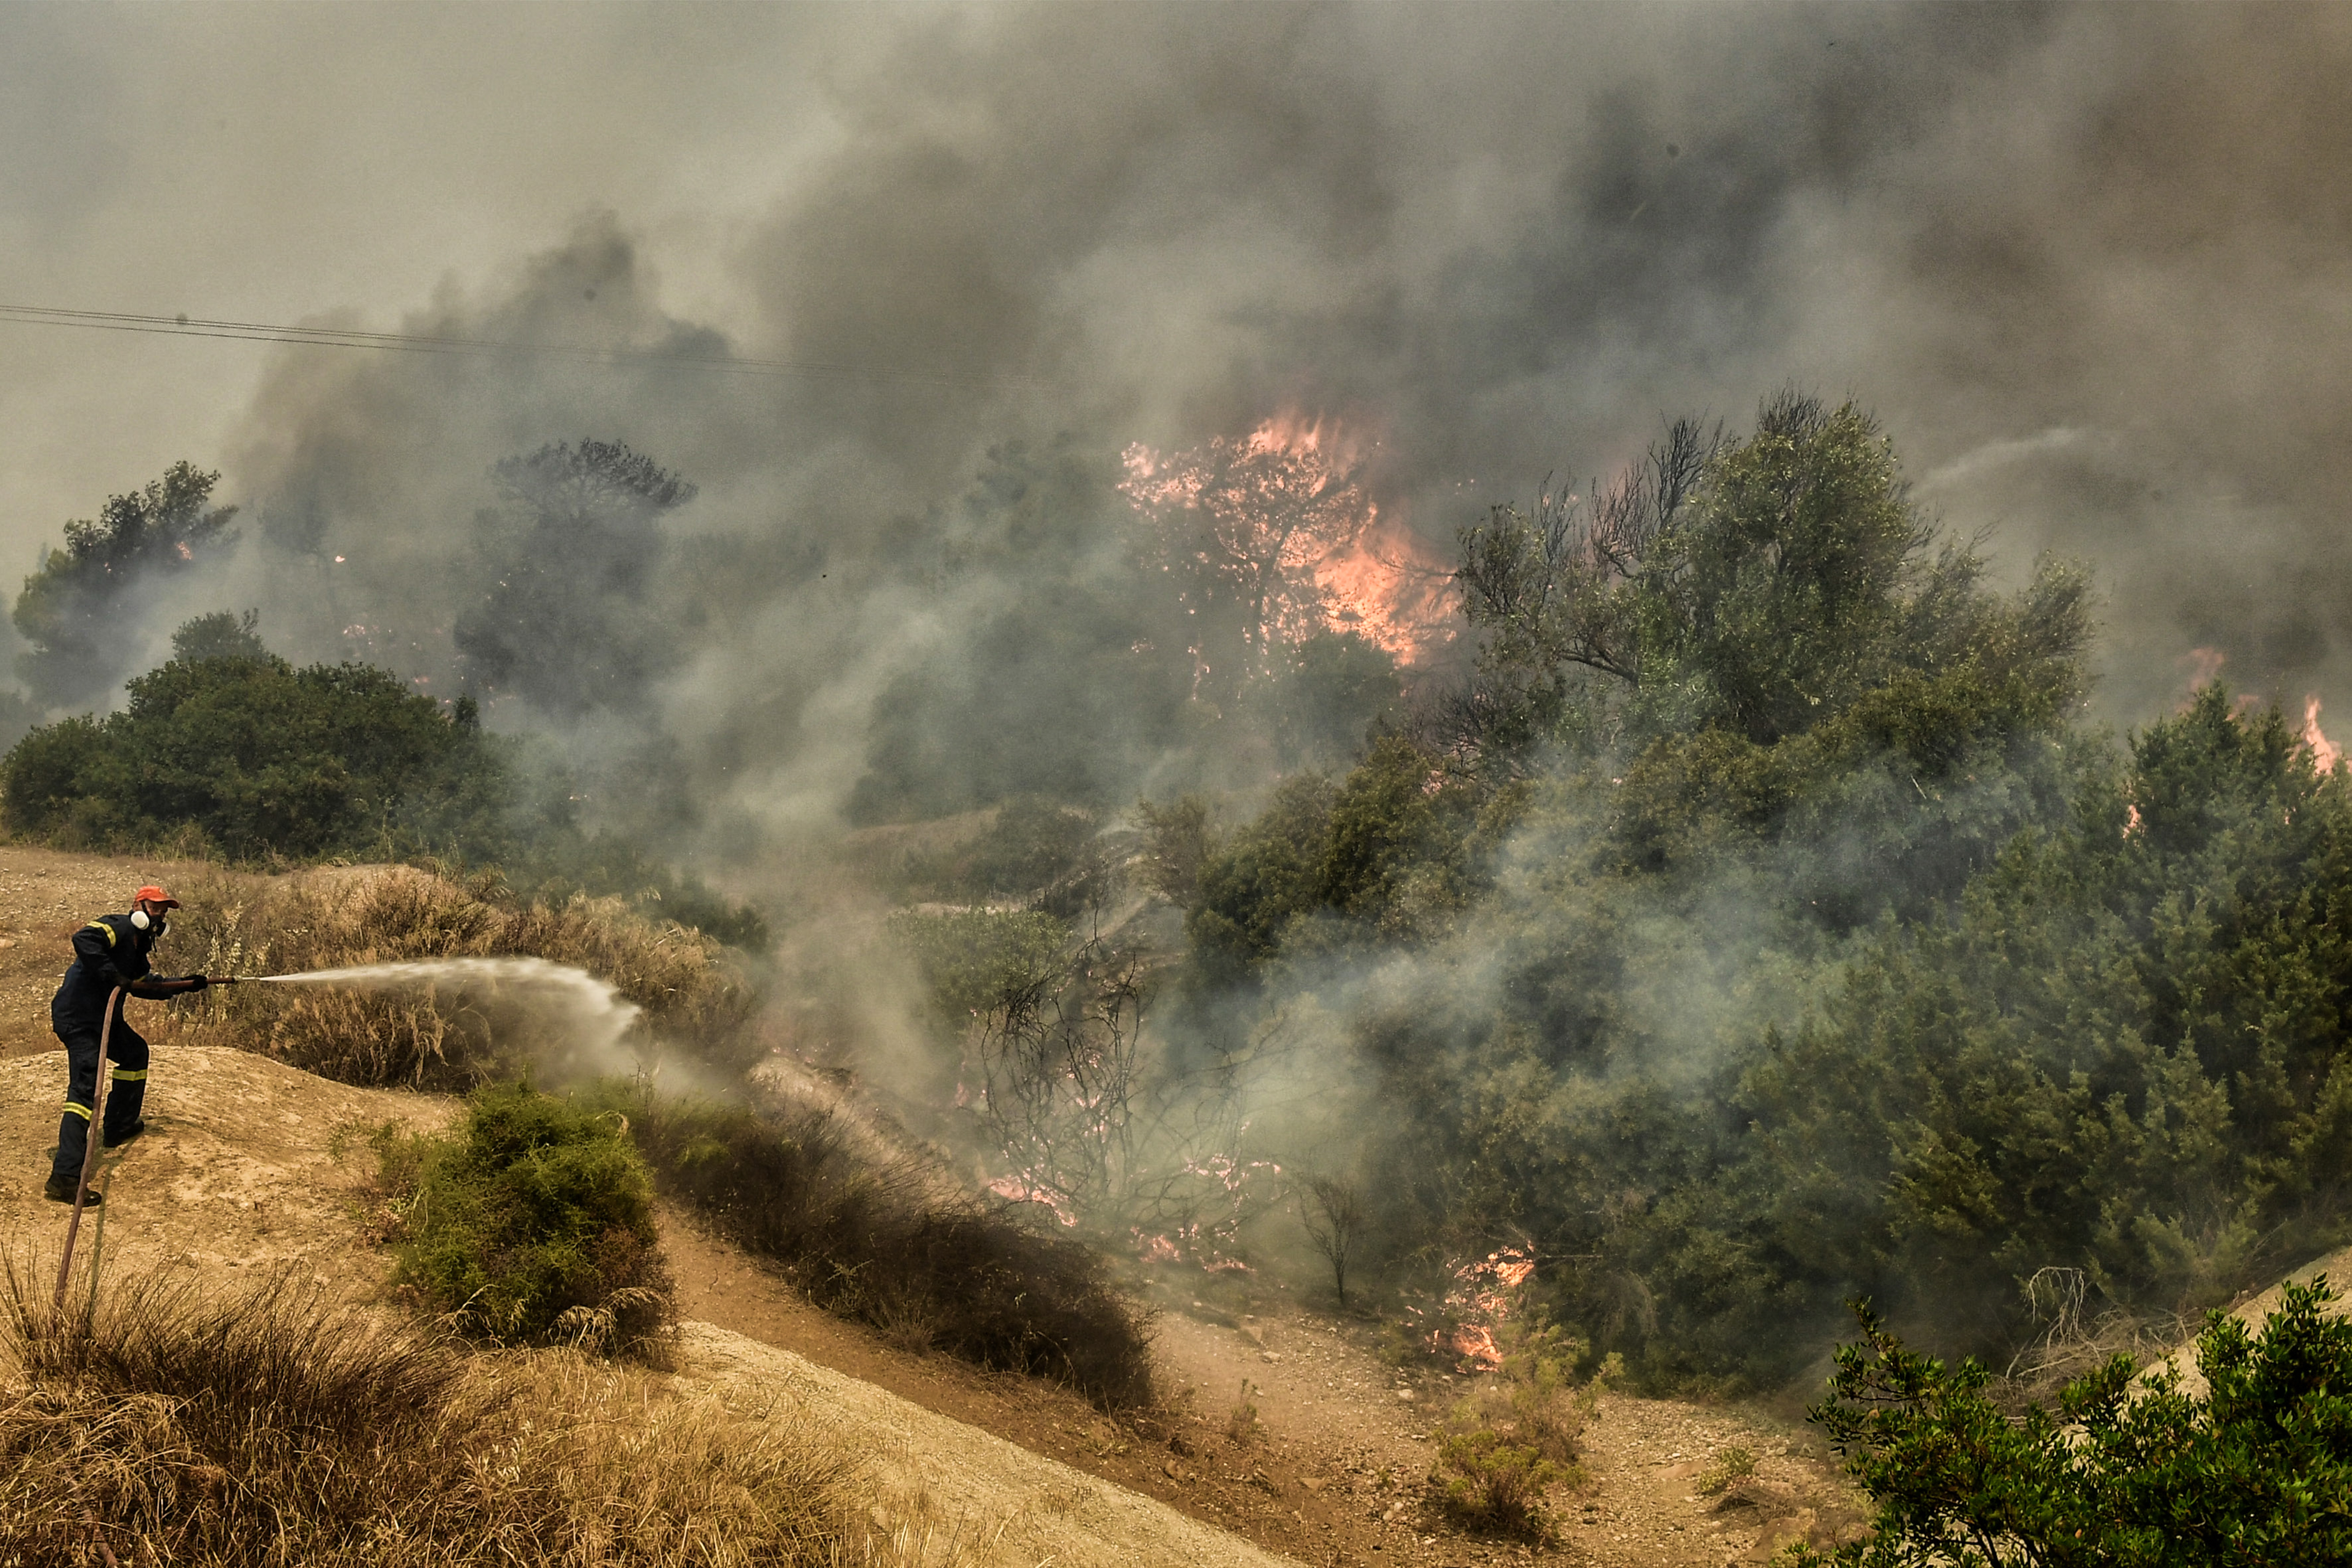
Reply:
x=195, y=981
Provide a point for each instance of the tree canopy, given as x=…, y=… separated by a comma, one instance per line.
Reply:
x=71, y=610
x=261, y=758
x=1759, y=589
x=1759, y=928
x=569, y=621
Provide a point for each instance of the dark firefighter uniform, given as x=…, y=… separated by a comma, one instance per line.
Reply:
x=109, y=951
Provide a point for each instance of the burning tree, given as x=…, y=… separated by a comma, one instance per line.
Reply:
x=1252, y=527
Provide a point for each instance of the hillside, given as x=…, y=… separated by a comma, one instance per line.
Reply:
x=251, y=1167
x=240, y=1171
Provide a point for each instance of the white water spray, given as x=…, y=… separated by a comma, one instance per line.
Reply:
x=586, y=1014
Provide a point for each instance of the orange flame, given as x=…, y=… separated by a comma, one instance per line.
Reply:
x=2325, y=753
x=1484, y=1293
x=1285, y=510
x=1022, y=1190
x=1391, y=590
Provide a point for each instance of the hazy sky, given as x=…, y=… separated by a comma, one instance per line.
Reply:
x=2092, y=264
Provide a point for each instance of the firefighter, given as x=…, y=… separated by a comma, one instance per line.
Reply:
x=108, y=952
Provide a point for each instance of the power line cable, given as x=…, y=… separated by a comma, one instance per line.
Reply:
x=418, y=342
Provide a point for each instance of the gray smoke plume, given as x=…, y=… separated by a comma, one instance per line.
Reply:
x=2087, y=262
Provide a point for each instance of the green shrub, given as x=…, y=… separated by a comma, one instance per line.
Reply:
x=1731, y=1466
x=1534, y=1398
x=973, y=961
x=1484, y=1481
x=534, y=1225
x=2126, y=1471
x=871, y=1232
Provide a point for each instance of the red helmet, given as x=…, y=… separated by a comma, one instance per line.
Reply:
x=151, y=894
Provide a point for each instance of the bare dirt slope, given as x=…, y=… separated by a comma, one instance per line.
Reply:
x=2337, y=1266
x=1332, y=1472
x=1000, y=1503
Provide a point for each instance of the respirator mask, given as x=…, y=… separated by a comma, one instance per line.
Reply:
x=139, y=922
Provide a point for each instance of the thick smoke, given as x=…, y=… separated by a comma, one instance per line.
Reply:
x=2087, y=265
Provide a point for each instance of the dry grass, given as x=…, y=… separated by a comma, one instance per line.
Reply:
x=1242, y=1424
x=268, y=1428
x=693, y=1000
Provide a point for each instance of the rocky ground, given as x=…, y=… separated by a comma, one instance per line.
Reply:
x=1333, y=1470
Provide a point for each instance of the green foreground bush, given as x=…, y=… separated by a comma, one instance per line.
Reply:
x=2258, y=1470
x=1516, y=1434
x=870, y=1233
x=1486, y=1482
x=535, y=1224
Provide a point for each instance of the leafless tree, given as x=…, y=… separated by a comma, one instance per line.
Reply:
x=1333, y=1212
x=1058, y=1060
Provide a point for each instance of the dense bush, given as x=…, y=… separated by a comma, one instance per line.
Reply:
x=971, y=960
x=869, y=1232
x=2124, y=1055
x=1758, y=930
x=258, y=757
x=229, y=750
x=2255, y=1470
x=534, y=1224
x=266, y=1428
x=1484, y=1480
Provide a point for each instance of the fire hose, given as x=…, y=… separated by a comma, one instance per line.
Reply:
x=89, y=1145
